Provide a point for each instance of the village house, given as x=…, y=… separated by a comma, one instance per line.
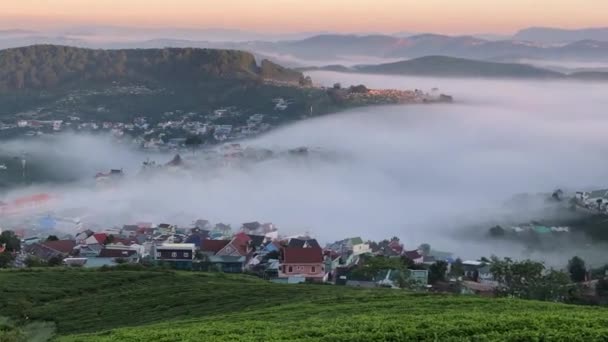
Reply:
x=478, y=271
x=238, y=246
x=197, y=236
x=211, y=247
x=82, y=236
x=306, y=262
x=51, y=249
x=303, y=242
x=394, y=248
x=112, y=257
x=96, y=239
x=221, y=231
x=179, y=255
x=352, y=245
x=414, y=256
x=224, y=263
x=597, y=200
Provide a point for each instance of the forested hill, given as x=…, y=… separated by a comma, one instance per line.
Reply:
x=49, y=66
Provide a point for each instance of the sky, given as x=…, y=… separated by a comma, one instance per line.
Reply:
x=277, y=16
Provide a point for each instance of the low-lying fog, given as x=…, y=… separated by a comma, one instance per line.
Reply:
x=425, y=173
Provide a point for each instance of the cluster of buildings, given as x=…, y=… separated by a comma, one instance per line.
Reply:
x=166, y=130
x=531, y=228
x=360, y=95
x=256, y=248
x=167, y=134
x=595, y=201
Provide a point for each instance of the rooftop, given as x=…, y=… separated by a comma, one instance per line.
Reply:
x=302, y=255
x=189, y=246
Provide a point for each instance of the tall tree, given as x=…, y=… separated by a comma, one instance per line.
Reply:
x=12, y=241
x=425, y=249
x=577, y=269
x=193, y=142
x=437, y=272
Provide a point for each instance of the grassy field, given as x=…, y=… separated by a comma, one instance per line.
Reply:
x=90, y=305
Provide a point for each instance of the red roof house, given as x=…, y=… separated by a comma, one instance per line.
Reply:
x=306, y=262
x=213, y=246
x=49, y=249
x=415, y=256
x=238, y=246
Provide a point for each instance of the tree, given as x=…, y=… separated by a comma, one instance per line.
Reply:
x=120, y=261
x=577, y=269
x=10, y=244
x=371, y=267
x=55, y=261
x=437, y=272
x=11, y=241
x=6, y=258
x=516, y=278
x=305, y=81
x=358, y=89
x=193, y=142
x=33, y=261
x=337, y=86
x=601, y=288
x=555, y=286
x=373, y=245
x=497, y=231
x=52, y=238
x=425, y=248
x=529, y=280
x=557, y=195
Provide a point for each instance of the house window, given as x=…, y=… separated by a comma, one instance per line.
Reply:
x=299, y=268
x=158, y=255
x=290, y=269
x=174, y=254
x=314, y=269
x=186, y=255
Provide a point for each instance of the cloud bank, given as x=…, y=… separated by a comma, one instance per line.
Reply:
x=425, y=173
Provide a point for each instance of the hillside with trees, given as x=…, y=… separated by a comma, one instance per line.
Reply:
x=48, y=66
x=49, y=82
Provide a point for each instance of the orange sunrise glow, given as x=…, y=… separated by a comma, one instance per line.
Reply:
x=444, y=16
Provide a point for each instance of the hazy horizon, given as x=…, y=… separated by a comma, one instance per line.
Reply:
x=296, y=16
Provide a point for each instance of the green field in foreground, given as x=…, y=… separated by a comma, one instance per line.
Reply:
x=89, y=305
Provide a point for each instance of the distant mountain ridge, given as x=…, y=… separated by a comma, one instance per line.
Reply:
x=558, y=35
x=533, y=43
x=443, y=66
x=332, y=46
x=45, y=66
x=458, y=67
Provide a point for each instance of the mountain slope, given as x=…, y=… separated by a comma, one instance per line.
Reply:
x=49, y=66
x=47, y=82
x=450, y=66
x=442, y=66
